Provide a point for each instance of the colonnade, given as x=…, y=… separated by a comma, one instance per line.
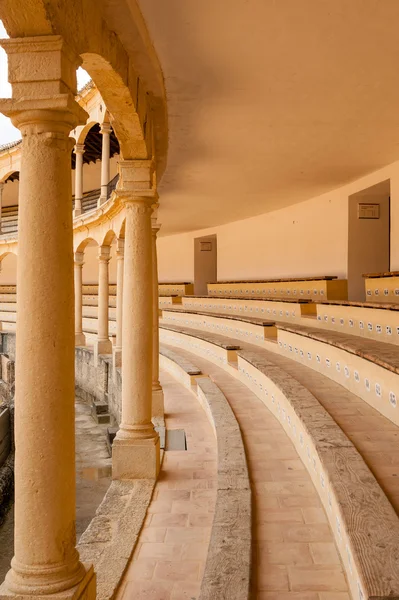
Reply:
x=79, y=150
x=46, y=561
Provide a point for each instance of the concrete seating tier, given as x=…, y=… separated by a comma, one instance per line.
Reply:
x=228, y=566
x=367, y=368
x=348, y=490
x=252, y=329
x=382, y=287
x=175, y=289
x=315, y=288
x=378, y=321
x=89, y=289
x=179, y=367
x=267, y=308
x=210, y=345
x=169, y=301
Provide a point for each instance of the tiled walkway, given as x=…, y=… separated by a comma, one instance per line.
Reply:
x=295, y=557
x=169, y=559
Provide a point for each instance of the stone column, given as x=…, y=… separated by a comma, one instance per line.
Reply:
x=79, y=151
x=135, y=451
x=157, y=392
x=104, y=344
x=106, y=132
x=1, y=205
x=120, y=247
x=80, y=339
x=46, y=561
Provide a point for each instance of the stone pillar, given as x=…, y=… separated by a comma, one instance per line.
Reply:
x=120, y=247
x=79, y=151
x=104, y=344
x=46, y=561
x=106, y=132
x=1, y=205
x=135, y=451
x=80, y=339
x=157, y=392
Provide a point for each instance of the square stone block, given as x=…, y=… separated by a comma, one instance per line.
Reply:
x=135, y=458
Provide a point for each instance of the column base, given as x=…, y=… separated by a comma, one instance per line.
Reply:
x=158, y=404
x=80, y=339
x=85, y=590
x=135, y=458
x=76, y=212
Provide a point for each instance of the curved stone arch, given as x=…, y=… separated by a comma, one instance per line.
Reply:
x=122, y=230
x=81, y=247
x=83, y=131
x=109, y=237
x=8, y=252
x=126, y=103
x=86, y=32
x=6, y=175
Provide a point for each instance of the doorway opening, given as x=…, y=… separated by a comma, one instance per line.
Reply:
x=205, y=263
x=369, y=236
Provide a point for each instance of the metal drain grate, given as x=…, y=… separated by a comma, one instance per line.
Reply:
x=175, y=440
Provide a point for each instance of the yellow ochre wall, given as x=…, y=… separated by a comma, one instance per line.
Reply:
x=305, y=239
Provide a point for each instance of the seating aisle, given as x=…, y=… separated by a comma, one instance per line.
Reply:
x=294, y=555
x=169, y=559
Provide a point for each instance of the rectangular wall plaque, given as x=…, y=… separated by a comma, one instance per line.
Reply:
x=368, y=211
x=206, y=246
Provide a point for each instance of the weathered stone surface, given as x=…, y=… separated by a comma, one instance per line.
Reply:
x=109, y=541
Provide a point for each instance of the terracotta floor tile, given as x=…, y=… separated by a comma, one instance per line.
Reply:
x=288, y=596
x=159, y=550
x=141, y=569
x=185, y=590
x=318, y=532
x=317, y=578
x=177, y=571
x=169, y=520
x=324, y=553
x=285, y=553
x=273, y=577
x=314, y=515
x=147, y=590
x=185, y=535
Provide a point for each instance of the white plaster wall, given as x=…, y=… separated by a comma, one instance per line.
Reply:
x=305, y=239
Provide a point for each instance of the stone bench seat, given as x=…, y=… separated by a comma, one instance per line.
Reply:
x=374, y=320
x=210, y=345
x=316, y=288
x=252, y=329
x=244, y=319
x=171, y=300
x=348, y=490
x=383, y=287
x=175, y=288
x=366, y=367
x=291, y=310
x=228, y=566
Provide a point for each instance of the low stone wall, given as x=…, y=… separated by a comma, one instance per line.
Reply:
x=96, y=380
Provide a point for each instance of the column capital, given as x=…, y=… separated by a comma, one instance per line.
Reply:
x=79, y=258
x=137, y=181
x=79, y=149
x=155, y=226
x=105, y=128
x=120, y=248
x=42, y=73
x=104, y=253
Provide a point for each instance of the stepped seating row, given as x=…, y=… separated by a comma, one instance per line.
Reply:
x=175, y=289
x=315, y=288
x=228, y=566
x=382, y=287
x=368, y=368
x=363, y=521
